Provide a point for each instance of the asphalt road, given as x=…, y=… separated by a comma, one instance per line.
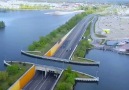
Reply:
x=40, y=82
x=92, y=30
x=73, y=39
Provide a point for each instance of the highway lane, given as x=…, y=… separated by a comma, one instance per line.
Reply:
x=47, y=85
x=40, y=82
x=37, y=78
x=72, y=40
x=92, y=30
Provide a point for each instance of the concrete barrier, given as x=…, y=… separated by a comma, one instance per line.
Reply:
x=87, y=79
x=92, y=79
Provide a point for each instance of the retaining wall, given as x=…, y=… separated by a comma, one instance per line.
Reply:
x=24, y=79
x=52, y=51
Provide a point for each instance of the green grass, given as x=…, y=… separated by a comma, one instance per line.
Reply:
x=48, y=46
x=82, y=48
x=100, y=36
x=63, y=78
x=4, y=85
x=77, y=59
x=35, y=7
x=35, y=53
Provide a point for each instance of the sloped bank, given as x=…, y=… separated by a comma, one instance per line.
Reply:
x=60, y=60
x=69, y=77
x=19, y=73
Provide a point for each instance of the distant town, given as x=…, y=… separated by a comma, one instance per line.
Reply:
x=15, y=4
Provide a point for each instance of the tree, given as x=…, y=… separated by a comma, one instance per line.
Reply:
x=12, y=69
x=3, y=76
x=2, y=24
x=64, y=86
x=69, y=69
x=70, y=79
x=31, y=47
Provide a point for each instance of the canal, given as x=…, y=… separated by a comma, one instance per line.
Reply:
x=24, y=27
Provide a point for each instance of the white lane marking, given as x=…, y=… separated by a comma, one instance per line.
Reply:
x=49, y=82
x=76, y=32
x=44, y=82
x=80, y=39
x=39, y=82
x=31, y=81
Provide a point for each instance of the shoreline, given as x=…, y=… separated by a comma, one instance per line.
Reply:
x=95, y=63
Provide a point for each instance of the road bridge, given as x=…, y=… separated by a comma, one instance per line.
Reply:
x=44, y=79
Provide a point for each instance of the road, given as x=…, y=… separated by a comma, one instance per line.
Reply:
x=67, y=48
x=92, y=30
x=40, y=82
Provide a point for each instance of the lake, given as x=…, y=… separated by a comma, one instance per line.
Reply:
x=24, y=27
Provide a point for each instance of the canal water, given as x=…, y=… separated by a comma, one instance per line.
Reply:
x=24, y=27
x=113, y=71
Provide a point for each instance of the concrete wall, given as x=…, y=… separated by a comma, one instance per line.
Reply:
x=52, y=51
x=15, y=86
x=27, y=77
x=24, y=79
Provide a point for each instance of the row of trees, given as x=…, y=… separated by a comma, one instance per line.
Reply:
x=68, y=80
x=83, y=45
x=8, y=77
x=34, y=7
x=62, y=30
x=82, y=48
x=2, y=24
x=11, y=70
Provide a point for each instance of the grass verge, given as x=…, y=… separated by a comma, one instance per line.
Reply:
x=12, y=74
x=67, y=80
x=83, y=48
x=78, y=59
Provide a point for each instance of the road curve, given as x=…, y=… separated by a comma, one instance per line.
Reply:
x=73, y=39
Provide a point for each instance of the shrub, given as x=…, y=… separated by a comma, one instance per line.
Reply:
x=3, y=76
x=12, y=69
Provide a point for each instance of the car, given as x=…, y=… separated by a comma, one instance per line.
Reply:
x=70, y=49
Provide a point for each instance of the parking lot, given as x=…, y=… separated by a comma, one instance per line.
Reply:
x=118, y=26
